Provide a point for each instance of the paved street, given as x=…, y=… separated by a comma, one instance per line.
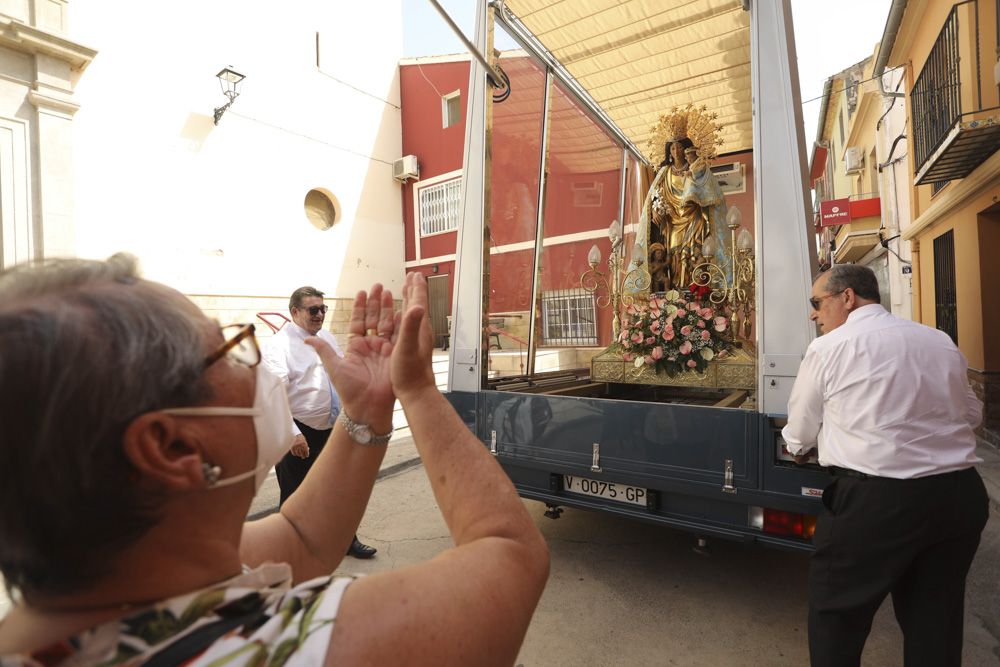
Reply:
x=623, y=592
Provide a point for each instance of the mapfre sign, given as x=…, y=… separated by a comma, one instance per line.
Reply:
x=834, y=212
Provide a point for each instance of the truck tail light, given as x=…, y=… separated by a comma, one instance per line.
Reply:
x=779, y=522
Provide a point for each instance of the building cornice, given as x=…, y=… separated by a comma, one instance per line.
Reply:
x=25, y=38
x=57, y=103
x=969, y=187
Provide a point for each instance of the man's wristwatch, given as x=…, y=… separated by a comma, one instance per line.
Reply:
x=362, y=433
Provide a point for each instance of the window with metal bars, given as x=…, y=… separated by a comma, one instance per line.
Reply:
x=569, y=317
x=439, y=207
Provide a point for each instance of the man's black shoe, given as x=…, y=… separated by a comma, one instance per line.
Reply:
x=359, y=550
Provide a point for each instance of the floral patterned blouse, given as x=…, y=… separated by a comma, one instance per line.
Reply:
x=256, y=618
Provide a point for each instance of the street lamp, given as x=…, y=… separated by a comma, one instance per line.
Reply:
x=230, y=81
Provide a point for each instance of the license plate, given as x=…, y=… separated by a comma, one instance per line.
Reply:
x=610, y=490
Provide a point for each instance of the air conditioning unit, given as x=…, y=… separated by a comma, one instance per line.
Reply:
x=587, y=194
x=854, y=160
x=405, y=168
x=730, y=177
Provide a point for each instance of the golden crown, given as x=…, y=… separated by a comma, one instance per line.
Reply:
x=694, y=123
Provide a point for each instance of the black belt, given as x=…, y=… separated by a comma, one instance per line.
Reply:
x=837, y=471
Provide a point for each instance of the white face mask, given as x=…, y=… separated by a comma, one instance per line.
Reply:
x=272, y=423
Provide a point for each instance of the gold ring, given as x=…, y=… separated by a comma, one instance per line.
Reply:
x=384, y=334
x=370, y=332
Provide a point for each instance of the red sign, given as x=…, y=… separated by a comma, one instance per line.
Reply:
x=834, y=212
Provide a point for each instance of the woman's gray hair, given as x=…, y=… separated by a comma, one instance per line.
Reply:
x=85, y=348
x=859, y=278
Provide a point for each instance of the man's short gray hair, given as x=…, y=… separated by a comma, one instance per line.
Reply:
x=85, y=348
x=859, y=278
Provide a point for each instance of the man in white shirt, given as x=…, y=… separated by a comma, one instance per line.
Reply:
x=311, y=397
x=888, y=404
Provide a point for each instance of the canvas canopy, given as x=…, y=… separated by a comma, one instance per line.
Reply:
x=639, y=59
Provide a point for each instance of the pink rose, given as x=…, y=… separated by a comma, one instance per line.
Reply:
x=705, y=335
x=668, y=334
x=685, y=347
x=720, y=323
x=655, y=327
x=657, y=352
x=650, y=340
x=628, y=356
x=722, y=355
x=636, y=336
x=632, y=310
x=692, y=363
x=694, y=305
x=680, y=313
x=686, y=330
x=701, y=324
x=655, y=313
x=649, y=360
x=706, y=313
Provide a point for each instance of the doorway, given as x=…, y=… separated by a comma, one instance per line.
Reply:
x=945, y=301
x=439, y=300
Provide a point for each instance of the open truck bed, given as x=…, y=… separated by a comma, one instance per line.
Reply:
x=543, y=153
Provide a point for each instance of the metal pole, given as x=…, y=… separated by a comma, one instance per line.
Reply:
x=495, y=79
x=539, y=226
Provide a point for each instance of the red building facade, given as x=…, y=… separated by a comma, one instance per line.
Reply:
x=585, y=171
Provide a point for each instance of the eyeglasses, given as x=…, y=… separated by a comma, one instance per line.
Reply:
x=315, y=310
x=240, y=345
x=814, y=302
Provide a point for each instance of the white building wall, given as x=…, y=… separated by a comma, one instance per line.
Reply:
x=39, y=65
x=894, y=184
x=218, y=210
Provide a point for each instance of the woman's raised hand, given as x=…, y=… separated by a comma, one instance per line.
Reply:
x=362, y=376
x=411, y=358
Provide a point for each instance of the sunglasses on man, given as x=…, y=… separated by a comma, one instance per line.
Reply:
x=315, y=310
x=814, y=301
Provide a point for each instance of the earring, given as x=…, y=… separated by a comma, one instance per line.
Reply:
x=211, y=473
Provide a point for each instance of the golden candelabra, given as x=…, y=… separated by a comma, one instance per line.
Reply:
x=737, y=290
x=612, y=281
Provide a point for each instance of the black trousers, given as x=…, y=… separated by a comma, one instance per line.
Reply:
x=291, y=470
x=913, y=539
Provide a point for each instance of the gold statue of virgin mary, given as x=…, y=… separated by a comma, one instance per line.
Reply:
x=684, y=205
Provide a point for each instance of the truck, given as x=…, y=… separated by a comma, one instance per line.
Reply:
x=554, y=163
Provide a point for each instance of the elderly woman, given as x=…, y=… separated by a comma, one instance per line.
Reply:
x=135, y=433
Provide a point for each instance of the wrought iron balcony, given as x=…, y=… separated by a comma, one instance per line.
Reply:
x=953, y=134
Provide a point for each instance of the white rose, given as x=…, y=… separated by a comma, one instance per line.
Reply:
x=707, y=354
x=639, y=361
x=673, y=295
x=671, y=310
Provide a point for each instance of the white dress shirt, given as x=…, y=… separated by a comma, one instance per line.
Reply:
x=884, y=396
x=311, y=396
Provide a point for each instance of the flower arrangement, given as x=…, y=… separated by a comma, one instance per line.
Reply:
x=673, y=334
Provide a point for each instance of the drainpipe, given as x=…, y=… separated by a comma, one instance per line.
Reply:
x=885, y=46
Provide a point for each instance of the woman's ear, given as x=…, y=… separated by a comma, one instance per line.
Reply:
x=160, y=450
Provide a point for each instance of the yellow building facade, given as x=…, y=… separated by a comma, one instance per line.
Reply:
x=948, y=55
x=844, y=169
